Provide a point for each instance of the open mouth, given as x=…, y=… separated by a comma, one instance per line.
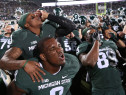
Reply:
x=39, y=18
x=61, y=56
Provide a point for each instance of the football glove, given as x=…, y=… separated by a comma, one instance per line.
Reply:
x=96, y=36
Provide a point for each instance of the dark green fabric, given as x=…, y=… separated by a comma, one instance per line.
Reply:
x=84, y=32
x=26, y=41
x=82, y=48
x=76, y=33
x=49, y=29
x=69, y=45
x=57, y=83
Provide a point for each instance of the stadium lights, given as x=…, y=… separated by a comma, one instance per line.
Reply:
x=77, y=2
x=64, y=0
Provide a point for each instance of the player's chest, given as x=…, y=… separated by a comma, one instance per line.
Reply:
x=30, y=44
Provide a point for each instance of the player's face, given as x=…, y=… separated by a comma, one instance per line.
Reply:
x=54, y=52
x=8, y=29
x=88, y=24
x=107, y=35
x=89, y=34
x=34, y=21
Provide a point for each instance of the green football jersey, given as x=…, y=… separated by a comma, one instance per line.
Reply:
x=76, y=33
x=104, y=75
x=57, y=84
x=4, y=44
x=26, y=41
x=69, y=45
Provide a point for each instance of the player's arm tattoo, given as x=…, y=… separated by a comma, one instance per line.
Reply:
x=9, y=62
x=13, y=53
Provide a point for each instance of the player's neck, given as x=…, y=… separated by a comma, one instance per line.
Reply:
x=36, y=31
x=52, y=69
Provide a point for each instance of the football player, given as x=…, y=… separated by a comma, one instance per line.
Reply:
x=5, y=41
x=60, y=69
x=25, y=39
x=70, y=43
x=18, y=13
x=100, y=59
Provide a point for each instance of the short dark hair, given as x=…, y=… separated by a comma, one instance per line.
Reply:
x=40, y=46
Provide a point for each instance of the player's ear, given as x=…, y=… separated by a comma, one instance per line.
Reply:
x=26, y=25
x=42, y=56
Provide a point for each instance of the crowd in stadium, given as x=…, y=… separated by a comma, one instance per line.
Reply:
x=62, y=50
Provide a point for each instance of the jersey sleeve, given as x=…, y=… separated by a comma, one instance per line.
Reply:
x=66, y=25
x=22, y=80
x=73, y=64
x=50, y=27
x=111, y=44
x=82, y=48
x=17, y=40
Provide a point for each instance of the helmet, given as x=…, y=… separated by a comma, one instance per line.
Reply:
x=18, y=13
x=109, y=11
x=121, y=11
x=58, y=11
x=82, y=20
x=76, y=18
x=92, y=17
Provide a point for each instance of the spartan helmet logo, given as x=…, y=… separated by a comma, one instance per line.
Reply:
x=18, y=13
x=58, y=11
x=121, y=11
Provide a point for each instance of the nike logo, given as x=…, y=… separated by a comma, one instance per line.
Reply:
x=64, y=76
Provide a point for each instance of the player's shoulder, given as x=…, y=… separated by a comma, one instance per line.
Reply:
x=69, y=56
x=21, y=72
x=110, y=44
x=21, y=33
x=71, y=61
x=83, y=47
x=18, y=31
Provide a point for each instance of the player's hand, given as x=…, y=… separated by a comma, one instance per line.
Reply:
x=96, y=36
x=38, y=13
x=113, y=37
x=33, y=69
x=44, y=15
